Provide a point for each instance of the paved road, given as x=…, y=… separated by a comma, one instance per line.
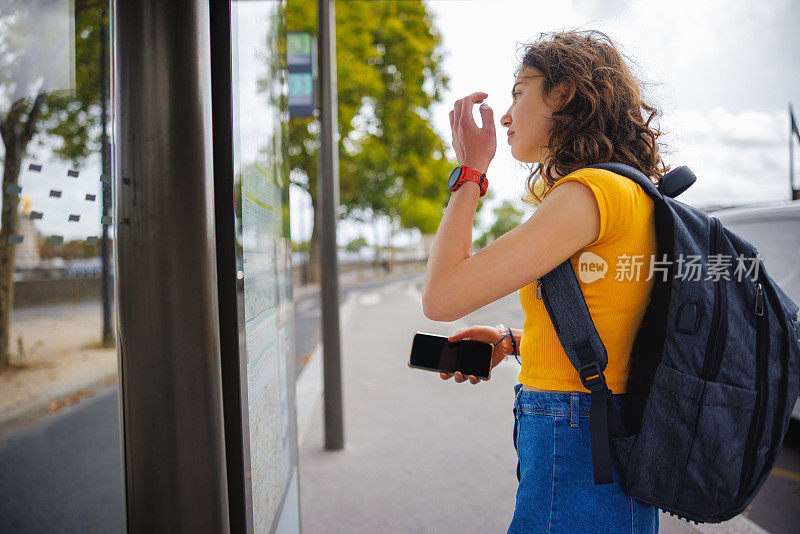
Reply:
x=63, y=473
x=308, y=314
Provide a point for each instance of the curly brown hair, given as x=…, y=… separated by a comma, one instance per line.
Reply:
x=602, y=120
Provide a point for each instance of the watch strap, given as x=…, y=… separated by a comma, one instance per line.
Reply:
x=469, y=174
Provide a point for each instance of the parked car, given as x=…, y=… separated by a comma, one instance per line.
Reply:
x=774, y=229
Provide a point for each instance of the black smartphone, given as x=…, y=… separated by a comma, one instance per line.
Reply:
x=432, y=352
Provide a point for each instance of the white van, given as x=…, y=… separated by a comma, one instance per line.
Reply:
x=774, y=229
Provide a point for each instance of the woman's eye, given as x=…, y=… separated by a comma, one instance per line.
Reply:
x=514, y=96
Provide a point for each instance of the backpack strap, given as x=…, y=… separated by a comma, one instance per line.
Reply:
x=576, y=331
x=573, y=324
x=671, y=184
x=630, y=172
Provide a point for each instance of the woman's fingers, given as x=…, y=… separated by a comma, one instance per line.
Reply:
x=457, y=112
x=462, y=109
x=465, y=113
x=459, y=377
x=487, y=117
x=461, y=334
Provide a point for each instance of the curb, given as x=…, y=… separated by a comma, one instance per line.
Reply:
x=27, y=412
x=308, y=386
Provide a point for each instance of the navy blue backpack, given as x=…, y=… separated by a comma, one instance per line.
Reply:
x=715, y=368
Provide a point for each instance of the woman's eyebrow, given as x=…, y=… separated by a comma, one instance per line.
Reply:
x=515, y=86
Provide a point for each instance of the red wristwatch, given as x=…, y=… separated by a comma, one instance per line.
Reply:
x=462, y=173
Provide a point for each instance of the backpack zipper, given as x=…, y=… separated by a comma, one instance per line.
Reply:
x=759, y=307
x=755, y=425
x=543, y=295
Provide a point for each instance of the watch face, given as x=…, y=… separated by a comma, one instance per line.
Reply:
x=451, y=183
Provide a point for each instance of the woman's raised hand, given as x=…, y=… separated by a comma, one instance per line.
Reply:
x=475, y=147
x=487, y=334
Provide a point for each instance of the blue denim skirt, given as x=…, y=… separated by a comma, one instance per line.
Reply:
x=556, y=491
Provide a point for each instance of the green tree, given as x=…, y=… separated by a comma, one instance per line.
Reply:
x=29, y=108
x=506, y=218
x=391, y=161
x=301, y=246
x=356, y=244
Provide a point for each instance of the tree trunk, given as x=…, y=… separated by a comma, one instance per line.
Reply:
x=105, y=158
x=16, y=136
x=390, y=245
x=9, y=222
x=377, y=262
x=314, y=271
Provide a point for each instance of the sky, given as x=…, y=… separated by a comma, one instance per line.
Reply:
x=722, y=73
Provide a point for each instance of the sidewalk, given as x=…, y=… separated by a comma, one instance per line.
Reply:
x=65, y=364
x=66, y=367
x=421, y=455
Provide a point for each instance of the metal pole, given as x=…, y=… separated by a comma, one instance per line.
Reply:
x=329, y=201
x=166, y=283
x=792, y=193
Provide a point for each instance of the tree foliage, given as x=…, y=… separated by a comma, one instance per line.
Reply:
x=356, y=244
x=389, y=75
x=70, y=119
x=506, y=218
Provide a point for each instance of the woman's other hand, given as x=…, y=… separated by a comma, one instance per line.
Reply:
x=487, y=334
x=475, y=147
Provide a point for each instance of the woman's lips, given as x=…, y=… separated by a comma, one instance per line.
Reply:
x=510, y=133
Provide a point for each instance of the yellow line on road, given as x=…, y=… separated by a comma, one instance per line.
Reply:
x=785, y=473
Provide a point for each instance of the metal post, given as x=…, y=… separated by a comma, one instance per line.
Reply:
x=166, y=283
x=329, y=201
x=105, y=159
x=793, y=191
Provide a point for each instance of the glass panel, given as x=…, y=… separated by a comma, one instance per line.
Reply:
x=260, y=111
x=60, y=462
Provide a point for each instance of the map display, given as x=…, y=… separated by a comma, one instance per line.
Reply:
x=262, y=198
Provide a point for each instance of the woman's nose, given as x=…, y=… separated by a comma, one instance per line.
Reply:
x=505, y=120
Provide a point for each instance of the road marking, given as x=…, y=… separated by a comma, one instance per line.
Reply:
x=369, y=299
x=786, y=474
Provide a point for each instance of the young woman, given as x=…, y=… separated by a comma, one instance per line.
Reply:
x=574, y=103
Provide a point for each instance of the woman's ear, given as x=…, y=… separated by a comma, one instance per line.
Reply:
x=564, y=93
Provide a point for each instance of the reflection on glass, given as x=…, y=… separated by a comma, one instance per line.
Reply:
x=262, y=213
x=59, y=443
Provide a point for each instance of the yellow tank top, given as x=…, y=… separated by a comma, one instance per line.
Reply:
x=614, y=275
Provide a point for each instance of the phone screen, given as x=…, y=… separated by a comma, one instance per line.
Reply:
x=434, y=353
